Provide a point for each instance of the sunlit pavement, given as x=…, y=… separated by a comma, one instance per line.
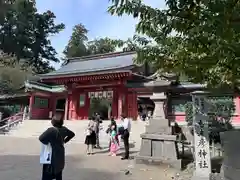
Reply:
x=19, y=160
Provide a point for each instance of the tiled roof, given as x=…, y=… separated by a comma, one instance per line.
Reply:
x=44, y=87
x=95, y=64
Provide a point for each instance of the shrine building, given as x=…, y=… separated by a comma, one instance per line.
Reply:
x=115, y=80
x=72, y=88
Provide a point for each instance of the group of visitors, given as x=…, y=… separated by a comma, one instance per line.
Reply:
x=58, y=135
x=92, y=135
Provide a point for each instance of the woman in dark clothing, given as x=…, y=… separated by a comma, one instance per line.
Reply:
x=57, y=136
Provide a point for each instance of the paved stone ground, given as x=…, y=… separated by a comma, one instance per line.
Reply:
x=19, y=160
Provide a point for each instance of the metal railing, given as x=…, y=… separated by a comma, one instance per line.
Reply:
x=11, y=121
x=215, y=149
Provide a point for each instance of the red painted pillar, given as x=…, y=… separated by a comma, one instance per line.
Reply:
x=135, y=106
x=126, y=102
x=132, y=105
x=70, y=107
x=52, y=105
x=237, y=104
x=120, y=103
x=66, y=111
x=31, y=103
x=83, y=105
x=87, y=105
x=74, y=105
x=115, y=104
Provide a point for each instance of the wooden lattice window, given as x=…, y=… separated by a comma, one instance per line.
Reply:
x=40, y=102
x=82, y=100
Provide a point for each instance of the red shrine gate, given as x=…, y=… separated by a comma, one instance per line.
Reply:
x=122, y=101
x=103, y=76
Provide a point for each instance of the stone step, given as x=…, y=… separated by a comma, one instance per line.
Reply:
x=33, y=129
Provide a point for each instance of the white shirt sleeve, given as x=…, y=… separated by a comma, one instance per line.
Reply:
x=126, y=124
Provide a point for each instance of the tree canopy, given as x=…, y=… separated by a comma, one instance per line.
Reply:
x=79, y=44
x=76, y=46
x=12, y=77
x=198, y=38
x=25, y=33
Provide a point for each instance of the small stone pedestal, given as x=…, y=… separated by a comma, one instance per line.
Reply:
x=158, y=145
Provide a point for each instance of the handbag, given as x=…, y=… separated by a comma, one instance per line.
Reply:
x=46, y=154
x=88, y=132
x=46, y=151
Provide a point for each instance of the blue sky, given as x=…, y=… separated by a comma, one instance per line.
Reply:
x=93, y=14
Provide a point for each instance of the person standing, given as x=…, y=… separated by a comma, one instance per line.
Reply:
x=114, y=147
x=109, y=130
x=90, y=140
x=97, y=129
x=57, y=136
x=126, y=125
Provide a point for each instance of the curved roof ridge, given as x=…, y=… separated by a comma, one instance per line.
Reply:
x=98, y=56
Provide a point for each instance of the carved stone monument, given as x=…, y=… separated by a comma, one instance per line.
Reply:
x=158, y=144
x=201, y=137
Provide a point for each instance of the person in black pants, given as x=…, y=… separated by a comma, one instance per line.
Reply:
x=98, y=121
x=125, y=135
x=126, y=144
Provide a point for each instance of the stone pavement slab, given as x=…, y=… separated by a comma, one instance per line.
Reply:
x=19, y=160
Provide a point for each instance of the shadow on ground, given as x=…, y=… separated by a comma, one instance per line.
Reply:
x=105, y=149
x=23, y=167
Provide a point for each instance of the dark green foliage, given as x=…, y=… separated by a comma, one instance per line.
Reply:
x=79, y=44
x=220, y=113
x=76, y=46
x=12, y=77
x=197, y=38
x=99, y=106
x=189, y=113
x=221, y=110
x=25, y=33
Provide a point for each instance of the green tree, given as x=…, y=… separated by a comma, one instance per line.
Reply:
x=79, y=45
x=103, y=45
x=12, y=78
x=76, y=46
x=25, y=33
x=195, y=37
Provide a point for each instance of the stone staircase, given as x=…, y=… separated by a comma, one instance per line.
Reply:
x=33, y=128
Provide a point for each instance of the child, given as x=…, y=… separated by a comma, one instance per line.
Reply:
x=114, y=141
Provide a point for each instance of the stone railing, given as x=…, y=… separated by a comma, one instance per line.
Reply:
x=8, y=123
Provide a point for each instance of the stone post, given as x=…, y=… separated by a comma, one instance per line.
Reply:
x=201, y=137
x=158, y=124
x=158, y=144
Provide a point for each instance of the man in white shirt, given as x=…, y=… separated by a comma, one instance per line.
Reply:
x=126, y=123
